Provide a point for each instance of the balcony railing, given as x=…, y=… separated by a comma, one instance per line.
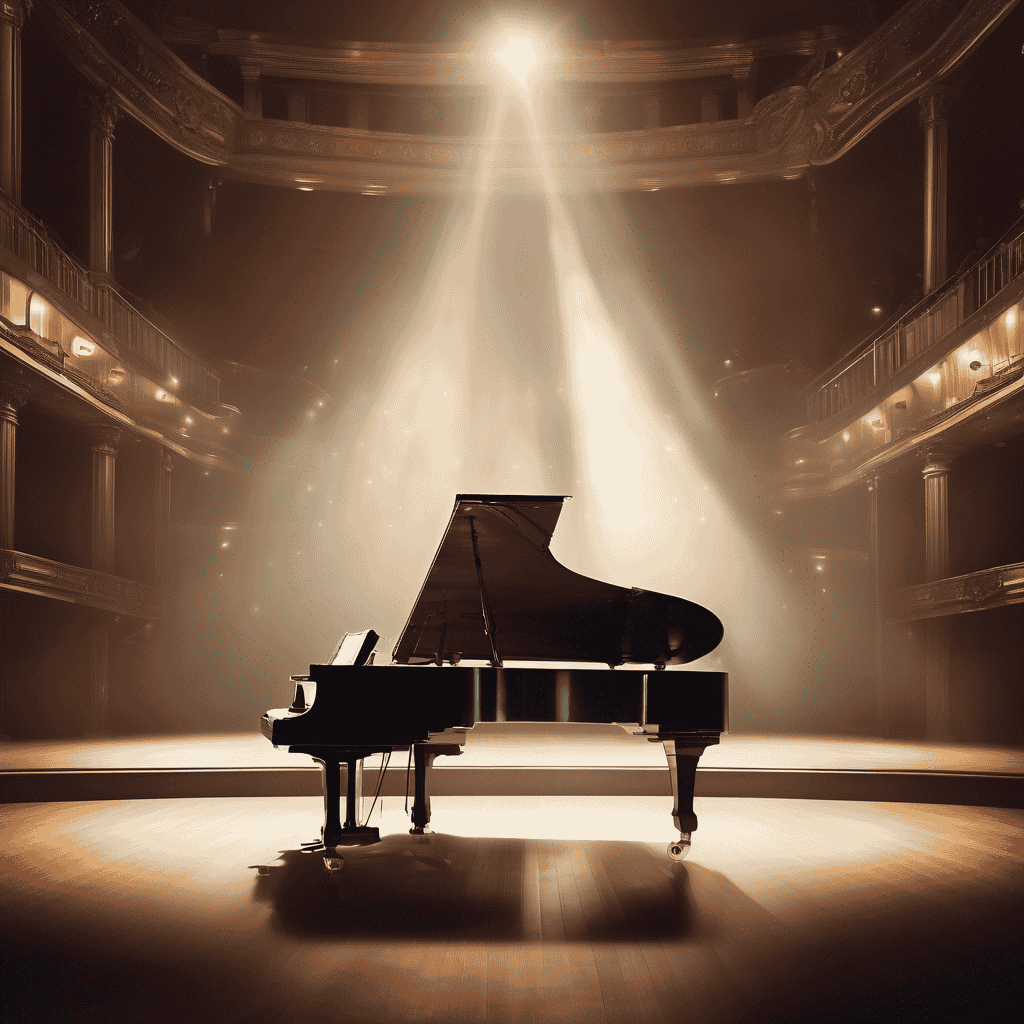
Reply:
x=25, y=237
x=869, y=366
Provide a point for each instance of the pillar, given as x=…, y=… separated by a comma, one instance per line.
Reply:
x=883, y=714
x=11, y=399
x=252, y=92
x=162, y=469
x=12, y=18
x=103, y=115
x=104, y=456
x=932, y=114
x=936, y=567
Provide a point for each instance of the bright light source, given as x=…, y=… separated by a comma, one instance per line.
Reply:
x=1010, y=319
x=117, y=375
x=162, y=396
x=188, y=420
x=517, y=55
x=174, y=380
x=305, y=188
x=876, y=310
x=846, y=435
x=83, y=347
x=728, y=362
x=935, y=377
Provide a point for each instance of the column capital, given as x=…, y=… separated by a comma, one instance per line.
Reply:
x=15, y=12
x=104, y=439
x=103, y=111
x=13, y=396
x=939, y=459
x=933, y=106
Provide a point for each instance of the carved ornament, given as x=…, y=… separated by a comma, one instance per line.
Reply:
x=785, y=134
x=989, y=588
x=104, y=113
x=47, y=578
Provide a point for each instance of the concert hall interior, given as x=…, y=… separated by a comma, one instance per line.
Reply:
x=317, y=318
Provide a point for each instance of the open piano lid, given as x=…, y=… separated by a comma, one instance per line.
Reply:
x=495, y=593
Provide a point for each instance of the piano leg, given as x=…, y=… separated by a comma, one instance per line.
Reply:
x=423, y=761
x=683, y=753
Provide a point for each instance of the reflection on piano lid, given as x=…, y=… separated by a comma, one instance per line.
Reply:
x=495, y=593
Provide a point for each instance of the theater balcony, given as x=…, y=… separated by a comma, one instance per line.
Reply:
x=916, y=441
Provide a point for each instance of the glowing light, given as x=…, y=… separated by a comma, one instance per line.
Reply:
x=83, y=347
x=224, y=544
x=517, y=55
x=116, y=375
x=728, y=362
x=174, y=380
x=163, y=396
x=846, y=435
x=1010, y=319
x=876, y=310
x=935, y=377
x=188, y=420
x=305, y=188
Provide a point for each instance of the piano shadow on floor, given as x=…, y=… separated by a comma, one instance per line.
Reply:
x=478, y=889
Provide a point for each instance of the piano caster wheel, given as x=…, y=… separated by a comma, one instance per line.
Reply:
x=678, y=850
x=334, y=863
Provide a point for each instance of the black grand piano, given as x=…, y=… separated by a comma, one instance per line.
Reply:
x=494, y=599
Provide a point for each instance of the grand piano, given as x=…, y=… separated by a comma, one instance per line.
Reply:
x=494, y=604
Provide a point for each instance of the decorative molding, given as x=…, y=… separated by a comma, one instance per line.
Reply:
x=977, y=591
x=104, y=113
x=32, y=574
x=118, y=54
x=786, y=133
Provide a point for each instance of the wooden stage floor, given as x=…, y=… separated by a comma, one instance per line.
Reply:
x=521, y=759
x=526, y=909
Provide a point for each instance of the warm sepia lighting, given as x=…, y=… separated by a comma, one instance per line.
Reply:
x=846, y=435
x=1010, y=319
x=83, y=347
x=935, y=377
x=116, y=375
x=517, y=55
x=163, y=396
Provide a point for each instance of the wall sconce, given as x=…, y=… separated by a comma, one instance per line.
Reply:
x=116, y=375
x=83, y=347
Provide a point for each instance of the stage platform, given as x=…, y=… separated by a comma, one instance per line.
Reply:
x=524, y=760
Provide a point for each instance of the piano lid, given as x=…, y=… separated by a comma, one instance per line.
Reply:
x=495, y=592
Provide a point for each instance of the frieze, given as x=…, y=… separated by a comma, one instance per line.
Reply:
x=989, y=588
x=785, y=134
x=47, y=578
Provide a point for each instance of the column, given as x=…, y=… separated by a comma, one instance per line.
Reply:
x=936, y=567
x=12, y=18
x=162, y=469
x=252, y=92
x=932, y=115
x=103, y=115
x=882, y=712
x=104, y=456
x=11, y=399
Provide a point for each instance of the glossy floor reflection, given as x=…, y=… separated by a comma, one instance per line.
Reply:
x=147, y=911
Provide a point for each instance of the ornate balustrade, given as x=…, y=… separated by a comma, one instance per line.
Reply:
x=861, y=378
x=165, y=360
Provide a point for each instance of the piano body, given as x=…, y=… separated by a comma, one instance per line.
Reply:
x=493, y=599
